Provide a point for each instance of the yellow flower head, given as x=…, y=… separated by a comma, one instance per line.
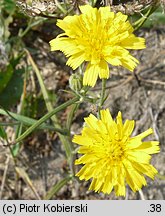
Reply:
x=111, y=157
x=98, y=37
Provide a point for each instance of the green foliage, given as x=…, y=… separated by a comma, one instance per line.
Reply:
x=11, y=83
x=12, y=87
x=153, y=16
x=5, y=77
x=157, y=18
x=3, y=133
x=16, y=148
x=13, y=91
x=7, y=9
x=8, y=5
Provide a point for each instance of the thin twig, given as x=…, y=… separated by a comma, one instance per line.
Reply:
x=155, y=82
x=4, y=176
x=154, y=120
x=141, y=195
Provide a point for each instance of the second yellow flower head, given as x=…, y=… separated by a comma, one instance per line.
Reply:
x=111, y=157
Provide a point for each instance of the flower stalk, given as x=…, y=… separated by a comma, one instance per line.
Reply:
x=102, y=98
x=45, y=118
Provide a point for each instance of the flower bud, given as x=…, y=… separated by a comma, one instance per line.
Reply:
x=75, y=82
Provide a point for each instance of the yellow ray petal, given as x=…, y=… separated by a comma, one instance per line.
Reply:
x=91, y=75
x=137, y=156
x=134, y=179
x=81, y=140
x=75, y=60
x=150, y=147
x=145, y=133
x=91, y=121
x=128, y=127
x=103, y=70
x=133, y=42
x=85, y=9
x=106, y=116
x=145, y=169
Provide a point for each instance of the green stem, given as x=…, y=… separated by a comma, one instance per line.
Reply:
x=19, y=128
x=93, y=2
x=144, y=18
x=102, y=98
x=9, y=123
x=65, y=141
x=71, y=116
x=68, y=126
x=31, y=24
x=60, y=7
x=57, y=187
x=27, y=121
x=46, y=117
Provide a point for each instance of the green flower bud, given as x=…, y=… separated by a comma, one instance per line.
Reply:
x=75, y=82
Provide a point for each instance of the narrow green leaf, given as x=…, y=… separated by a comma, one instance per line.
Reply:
x=46, y=117
x=13, y=91
x=5, y=77
x=53, y=190
x=15, y=149
x=71, y=115
x=9, y=6
x=25, y=120
x=3, y=133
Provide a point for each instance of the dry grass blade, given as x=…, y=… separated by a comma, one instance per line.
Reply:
x=4, y=176
x=21, y=172
x=141, y=195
